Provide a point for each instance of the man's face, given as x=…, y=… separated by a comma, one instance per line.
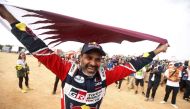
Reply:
x=90, y=62
x=175, y=67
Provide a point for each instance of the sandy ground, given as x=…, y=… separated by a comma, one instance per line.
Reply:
x=42, y=80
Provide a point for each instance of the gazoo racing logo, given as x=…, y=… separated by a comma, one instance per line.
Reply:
x=77, y=94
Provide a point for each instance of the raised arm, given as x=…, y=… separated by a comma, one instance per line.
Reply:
x=140, y=62
x=35, y=45
x=134, y=65
x=5, y=14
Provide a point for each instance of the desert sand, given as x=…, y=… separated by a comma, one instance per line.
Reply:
x=42, y=80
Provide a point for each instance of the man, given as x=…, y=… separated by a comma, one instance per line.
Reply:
x=173, y=76
x=154, y=81
x=55, y=85
x=83, y=84
x=139, y=79
x=187, y=88
x=131, y=83
x=110, y=64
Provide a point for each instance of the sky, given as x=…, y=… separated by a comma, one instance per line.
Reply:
x=169, y=19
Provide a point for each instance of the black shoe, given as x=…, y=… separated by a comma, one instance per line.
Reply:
x=136, y=92
x=186, y=99
x=53, y=93
x=143, y=93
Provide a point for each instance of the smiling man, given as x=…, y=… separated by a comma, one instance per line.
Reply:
x=84, y=84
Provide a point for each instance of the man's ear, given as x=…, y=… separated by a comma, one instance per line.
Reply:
x=80, y=56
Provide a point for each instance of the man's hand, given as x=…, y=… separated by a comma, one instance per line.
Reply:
x=5, y=14
x=161, y=48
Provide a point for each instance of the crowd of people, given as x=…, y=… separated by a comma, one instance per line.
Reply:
x=175, y=75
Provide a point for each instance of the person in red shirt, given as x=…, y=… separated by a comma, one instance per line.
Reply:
x=84, y=84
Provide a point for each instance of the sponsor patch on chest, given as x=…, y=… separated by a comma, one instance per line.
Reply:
x=79, y=79
x=77, y=94
x=83, y=96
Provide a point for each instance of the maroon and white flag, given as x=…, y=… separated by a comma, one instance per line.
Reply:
x=64, y=28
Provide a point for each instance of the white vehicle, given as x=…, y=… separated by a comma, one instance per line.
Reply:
x=6, y=49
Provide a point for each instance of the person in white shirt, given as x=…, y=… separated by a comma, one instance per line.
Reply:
x=173, y=77
x=139, y=79
x=22, y=71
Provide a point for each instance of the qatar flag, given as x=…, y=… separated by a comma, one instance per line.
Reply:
x=64, y=28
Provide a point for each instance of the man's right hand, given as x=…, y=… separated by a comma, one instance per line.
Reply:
x=161, y=48
x=5, y=14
